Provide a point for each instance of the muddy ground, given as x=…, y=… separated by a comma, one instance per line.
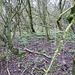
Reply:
x=33, y=64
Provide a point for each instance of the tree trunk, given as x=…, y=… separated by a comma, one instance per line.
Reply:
x=73, y=67
x=30, y=15
x=44, y=19
x=70, y=18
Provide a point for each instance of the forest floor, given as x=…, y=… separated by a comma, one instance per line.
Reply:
x=33, y=62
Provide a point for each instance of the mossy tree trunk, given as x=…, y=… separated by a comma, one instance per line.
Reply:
x=73, y=67
x=61, y=6
x=70, y=17
x=30, y=15
x=44, y=18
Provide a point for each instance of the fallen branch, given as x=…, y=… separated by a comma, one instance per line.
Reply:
x=8, y=71
x=36, y=53
x=24, y=70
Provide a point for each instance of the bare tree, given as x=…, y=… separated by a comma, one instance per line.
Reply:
x=10, y=19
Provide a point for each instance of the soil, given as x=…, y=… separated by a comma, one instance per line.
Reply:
x=33, y=64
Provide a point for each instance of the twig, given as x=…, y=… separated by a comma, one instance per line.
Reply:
x=8, y=71
x=36, y=53
x=24, y=71
x=33, y=69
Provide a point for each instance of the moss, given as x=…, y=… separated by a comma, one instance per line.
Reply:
x=69, y=16
x=73, y=20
